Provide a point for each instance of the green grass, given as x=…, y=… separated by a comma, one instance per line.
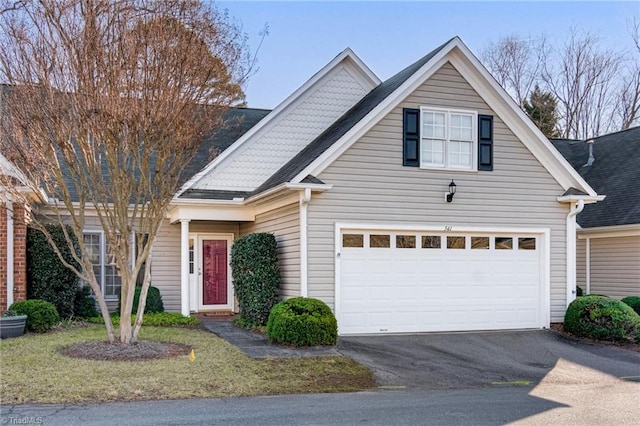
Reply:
x=33, y=371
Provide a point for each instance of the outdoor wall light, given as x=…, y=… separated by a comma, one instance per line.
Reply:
x=452, y=190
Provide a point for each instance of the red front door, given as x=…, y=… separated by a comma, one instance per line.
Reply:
x=214, y=272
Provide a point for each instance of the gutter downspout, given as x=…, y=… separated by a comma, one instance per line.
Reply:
x=10, y=254
x=305, y=198
x=574, y=210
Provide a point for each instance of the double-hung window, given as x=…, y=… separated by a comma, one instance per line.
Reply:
x=449, y=139
x=105, y=270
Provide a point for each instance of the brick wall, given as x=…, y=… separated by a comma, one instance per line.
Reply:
x=19, y=253
x=3, y=258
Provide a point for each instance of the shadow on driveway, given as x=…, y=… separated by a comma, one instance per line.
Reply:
x=465, y=360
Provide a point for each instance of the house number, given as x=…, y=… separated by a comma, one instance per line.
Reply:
x=448, y=227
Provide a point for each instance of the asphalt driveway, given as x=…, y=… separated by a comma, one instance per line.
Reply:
x=506, y=358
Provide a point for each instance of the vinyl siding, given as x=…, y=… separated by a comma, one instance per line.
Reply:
x=286, y=135
x=284, y=223
x=615, y=266
x=371, y=185
x=581, y=264
x=165, y=261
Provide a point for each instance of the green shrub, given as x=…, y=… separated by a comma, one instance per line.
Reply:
x=601, y=318
x=41, y=315
x=633, y=302
x=256, y=276
x=302, y=321
x=84, y=305
x=159, y=319
x=47, y=278
x=154, y=301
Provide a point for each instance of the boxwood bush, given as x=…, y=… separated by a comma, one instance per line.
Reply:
x=154, y=300
x=633, y=302
x=302, y=321
x=47, y=278
x=84, y=305
x=41, y=315
x=256, y=276
x=601, y=318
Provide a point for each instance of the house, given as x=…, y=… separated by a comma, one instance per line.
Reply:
x=426, y=202
x=13, y=240
x=609, y=232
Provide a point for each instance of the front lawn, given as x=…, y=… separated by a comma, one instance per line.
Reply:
x=33, y=371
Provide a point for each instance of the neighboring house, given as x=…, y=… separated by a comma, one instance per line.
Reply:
x=352, y=176
x=13, y=240
x=609, y=232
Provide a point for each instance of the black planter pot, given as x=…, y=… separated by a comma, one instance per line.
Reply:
x=12, y=326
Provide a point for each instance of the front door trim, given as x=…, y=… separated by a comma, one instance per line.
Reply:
x=198, y=261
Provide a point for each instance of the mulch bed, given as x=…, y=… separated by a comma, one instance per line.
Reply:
x=558, y=328
x=141, y=350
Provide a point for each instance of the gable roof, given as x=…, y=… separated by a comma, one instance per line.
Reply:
x=368, y=80
x=352, y=117
x=615, y=173
x=237, y=122
x=311, y=160
x=339, y=137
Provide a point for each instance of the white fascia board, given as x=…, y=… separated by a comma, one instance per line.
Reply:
x=315, y=187
x=368, y=77
x=610, y=231
x=588, y=199
x=501, y=102
x=373, y=117
x=206, y=212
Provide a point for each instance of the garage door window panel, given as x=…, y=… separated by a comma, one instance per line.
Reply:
x=456, y=242
x=379, y=241
x=504, y=243
x=431, y=242
x=480, y=243
x=526, y=243
x=405, y=241
x=353, y=240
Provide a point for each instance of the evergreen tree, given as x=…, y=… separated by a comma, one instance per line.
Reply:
x=542, y=110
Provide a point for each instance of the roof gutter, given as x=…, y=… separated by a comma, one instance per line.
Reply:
x=574, y=210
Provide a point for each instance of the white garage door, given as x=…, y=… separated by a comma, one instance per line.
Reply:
x=403, y=281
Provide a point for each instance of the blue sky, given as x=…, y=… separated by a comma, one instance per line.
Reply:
x=387, y=36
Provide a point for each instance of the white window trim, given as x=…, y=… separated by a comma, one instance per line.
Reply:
x=474, y=130
x=103, y=257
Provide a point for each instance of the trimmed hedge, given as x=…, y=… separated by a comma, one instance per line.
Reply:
x=47, y=278
x=601, y=318
x=159, y=319
x=302, y=321
x=154, y=301
x=256, y=276
x=633, y=302
x=41, y=315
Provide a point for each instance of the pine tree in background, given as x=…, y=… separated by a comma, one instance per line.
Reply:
x=542, y=110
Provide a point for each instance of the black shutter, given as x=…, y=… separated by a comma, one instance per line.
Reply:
x=485, y=142
x=411, y=138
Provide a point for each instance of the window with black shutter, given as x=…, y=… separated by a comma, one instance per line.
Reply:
x=411, y=139
x=485, y=142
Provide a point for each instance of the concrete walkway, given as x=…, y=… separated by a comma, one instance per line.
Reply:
x=257, y=345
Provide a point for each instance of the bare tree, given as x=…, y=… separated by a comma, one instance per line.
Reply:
x=105, y=104
x=581, y=76
x=629, y=93
x=515, y=62
x=597, y=89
